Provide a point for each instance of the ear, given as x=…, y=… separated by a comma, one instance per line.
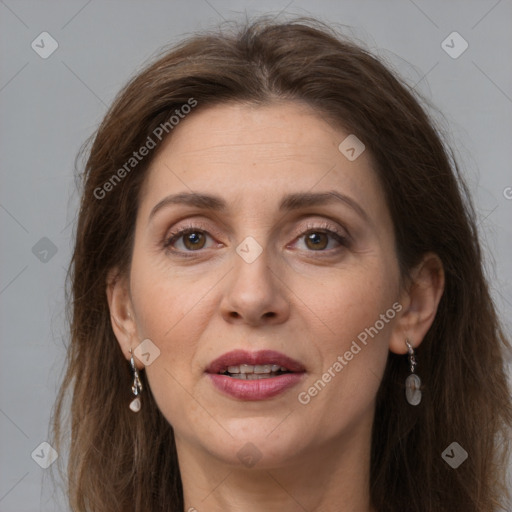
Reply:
x=419, y=301
x=121, y=313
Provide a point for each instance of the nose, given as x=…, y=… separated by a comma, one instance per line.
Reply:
x=255, y=293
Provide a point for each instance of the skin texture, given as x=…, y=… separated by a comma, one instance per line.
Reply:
x=307, y=301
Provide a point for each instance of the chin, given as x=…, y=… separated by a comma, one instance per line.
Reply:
x=256, y=442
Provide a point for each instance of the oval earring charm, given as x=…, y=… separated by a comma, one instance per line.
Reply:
x=412, y=389
x=135, y=404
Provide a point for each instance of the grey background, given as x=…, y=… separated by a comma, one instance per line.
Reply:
x=49, y=106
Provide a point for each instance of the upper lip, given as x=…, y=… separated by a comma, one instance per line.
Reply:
x=238, y=357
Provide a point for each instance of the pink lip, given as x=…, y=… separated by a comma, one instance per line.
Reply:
x=254, y=389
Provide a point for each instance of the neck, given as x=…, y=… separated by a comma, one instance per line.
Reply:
x=333, y=477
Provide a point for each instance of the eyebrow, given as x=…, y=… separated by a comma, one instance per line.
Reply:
x=289, y=202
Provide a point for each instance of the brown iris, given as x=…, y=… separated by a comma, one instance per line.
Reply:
x=314, y=239
x=194, y=238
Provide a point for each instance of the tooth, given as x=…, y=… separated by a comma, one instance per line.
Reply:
x=275, y=367
x=246, y=368
x=283, y=369
x=262, y=368
x=253, y=376
x=233, y=369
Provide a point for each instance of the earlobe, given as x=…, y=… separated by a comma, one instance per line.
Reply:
x=121, y=316
x=420, y=302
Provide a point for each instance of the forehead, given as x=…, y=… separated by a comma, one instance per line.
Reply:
x=289, y=129
x=240, y=150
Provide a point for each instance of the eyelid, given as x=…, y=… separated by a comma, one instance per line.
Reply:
x=323, y=225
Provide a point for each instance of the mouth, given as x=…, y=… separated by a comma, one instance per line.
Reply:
x=254, y=375
x=264, y=364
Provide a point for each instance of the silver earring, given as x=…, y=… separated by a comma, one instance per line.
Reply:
x=413, y=382
x=136, y=386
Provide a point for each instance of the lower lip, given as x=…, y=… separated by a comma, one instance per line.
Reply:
x=259, y=389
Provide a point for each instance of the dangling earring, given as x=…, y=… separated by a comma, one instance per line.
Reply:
x=413, y=382
x=136, y=386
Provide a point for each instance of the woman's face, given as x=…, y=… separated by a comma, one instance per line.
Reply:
x=289, y=248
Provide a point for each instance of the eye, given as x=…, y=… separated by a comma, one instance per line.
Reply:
x=316, y=238
x=192, y=238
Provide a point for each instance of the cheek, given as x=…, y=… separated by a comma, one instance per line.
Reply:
x=355, y=308
x=172, y=309
x=165, y=299
x=349, y=301
x=168, y=309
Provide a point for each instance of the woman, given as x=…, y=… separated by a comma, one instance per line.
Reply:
x=278, y=300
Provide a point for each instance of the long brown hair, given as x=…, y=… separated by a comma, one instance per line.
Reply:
x=119, y=461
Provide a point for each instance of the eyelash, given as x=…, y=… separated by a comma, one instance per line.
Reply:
x=325, y=228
